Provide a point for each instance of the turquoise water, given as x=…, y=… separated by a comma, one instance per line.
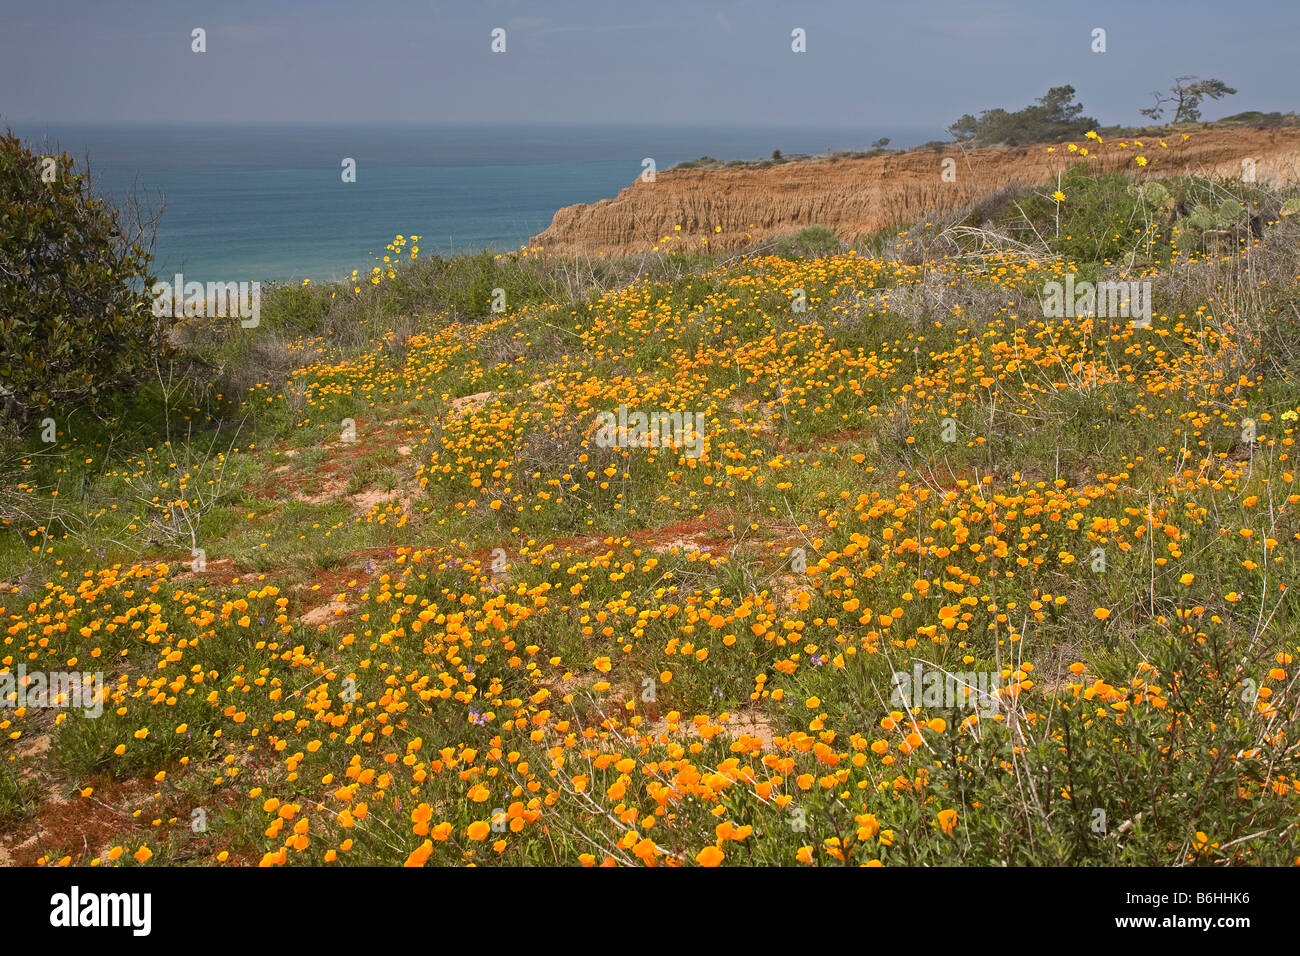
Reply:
x=268, y=202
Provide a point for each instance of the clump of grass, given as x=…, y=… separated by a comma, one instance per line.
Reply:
x=813, y=242
x=18, y=795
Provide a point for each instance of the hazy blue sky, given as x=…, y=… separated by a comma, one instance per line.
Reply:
x=868, y=62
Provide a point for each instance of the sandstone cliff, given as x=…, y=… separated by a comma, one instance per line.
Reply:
x=858, y=197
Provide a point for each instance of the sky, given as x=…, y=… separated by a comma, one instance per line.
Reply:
x=868, y=63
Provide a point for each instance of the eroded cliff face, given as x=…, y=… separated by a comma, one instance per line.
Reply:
x=858, y=197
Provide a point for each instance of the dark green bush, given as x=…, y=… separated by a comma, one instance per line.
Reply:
x=75, y=323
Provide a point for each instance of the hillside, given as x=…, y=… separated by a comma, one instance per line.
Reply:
x=918, y=574
x=737, y=207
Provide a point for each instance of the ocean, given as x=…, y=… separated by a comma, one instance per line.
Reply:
x=268, y=202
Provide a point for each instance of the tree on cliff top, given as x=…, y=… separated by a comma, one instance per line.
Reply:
x=1185, y=97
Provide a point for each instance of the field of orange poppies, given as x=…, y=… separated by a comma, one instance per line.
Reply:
x=943, y=581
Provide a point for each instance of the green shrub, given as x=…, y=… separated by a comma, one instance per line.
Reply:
x=1099, y=218
x=74, y=321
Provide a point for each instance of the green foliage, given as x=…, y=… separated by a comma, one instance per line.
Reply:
x=1225, y=215
x=1108, y=216
x=1053, y=117
x=471, y=280
x=706, y=162
x=1099, y=218
x=1153, y=194
x=813, y=242
x=1108, y=789
x=74, y=323
x=296, y=310
x=18, y=796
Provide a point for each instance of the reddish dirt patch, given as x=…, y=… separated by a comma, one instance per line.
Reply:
x=329, y=489
x=92, y=824
x=469, y=403
x=218, y=571
x=318, y=597
x=325, y=613
x=369, y=500
x=834, y=438
x=706, y=533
